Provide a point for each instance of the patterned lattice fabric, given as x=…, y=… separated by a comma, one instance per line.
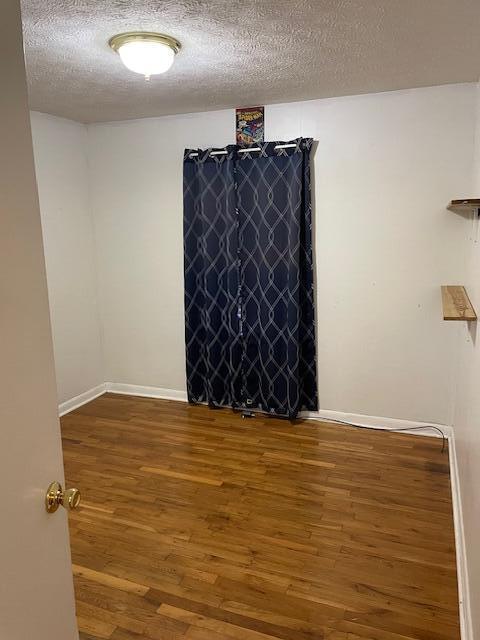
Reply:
x=249, y=313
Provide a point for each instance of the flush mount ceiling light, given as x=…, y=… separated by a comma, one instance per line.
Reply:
x=144, y=52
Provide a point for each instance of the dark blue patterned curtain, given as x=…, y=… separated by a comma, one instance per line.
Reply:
x=249, y=315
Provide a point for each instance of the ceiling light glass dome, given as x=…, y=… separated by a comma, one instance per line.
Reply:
x=144, y=52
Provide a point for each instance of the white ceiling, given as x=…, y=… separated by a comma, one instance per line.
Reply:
x=243, y=52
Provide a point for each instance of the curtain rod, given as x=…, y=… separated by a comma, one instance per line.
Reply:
x=224, y=151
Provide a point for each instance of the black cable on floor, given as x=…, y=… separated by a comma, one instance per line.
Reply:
x=248, y=413
x=391, y=429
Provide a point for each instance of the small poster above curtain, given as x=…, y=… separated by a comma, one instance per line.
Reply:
x=250, y=125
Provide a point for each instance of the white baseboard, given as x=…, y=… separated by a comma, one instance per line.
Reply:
x=372, y=422
x=357, y=419
x=83, y=398
x=466, y=627
x=146, y=392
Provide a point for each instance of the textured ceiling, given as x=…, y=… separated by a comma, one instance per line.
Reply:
x=243, y=52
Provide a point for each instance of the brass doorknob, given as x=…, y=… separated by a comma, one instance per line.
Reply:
x=56, y=496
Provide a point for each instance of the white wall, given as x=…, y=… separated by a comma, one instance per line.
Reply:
x=467, y=402
x=62, y=177
x=385, y=167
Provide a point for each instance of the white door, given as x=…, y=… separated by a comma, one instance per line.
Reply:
x=36, y=589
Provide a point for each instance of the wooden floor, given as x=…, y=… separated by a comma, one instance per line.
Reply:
x=198, y=524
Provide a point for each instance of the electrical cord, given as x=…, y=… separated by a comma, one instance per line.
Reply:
x=392, y=429
x=246, y=413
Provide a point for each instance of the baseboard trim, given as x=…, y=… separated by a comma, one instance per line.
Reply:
x=359, y=420
x=83, y=398
x=466, y=627
x=146, y=392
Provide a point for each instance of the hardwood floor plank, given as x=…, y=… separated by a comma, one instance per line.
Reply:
x=196, y=620
x=109, y=581
x=196, y=524
x=94, y=627
x=182, y=476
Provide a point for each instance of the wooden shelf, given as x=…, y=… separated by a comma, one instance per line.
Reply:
x=456, y=304
x=467, y=204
